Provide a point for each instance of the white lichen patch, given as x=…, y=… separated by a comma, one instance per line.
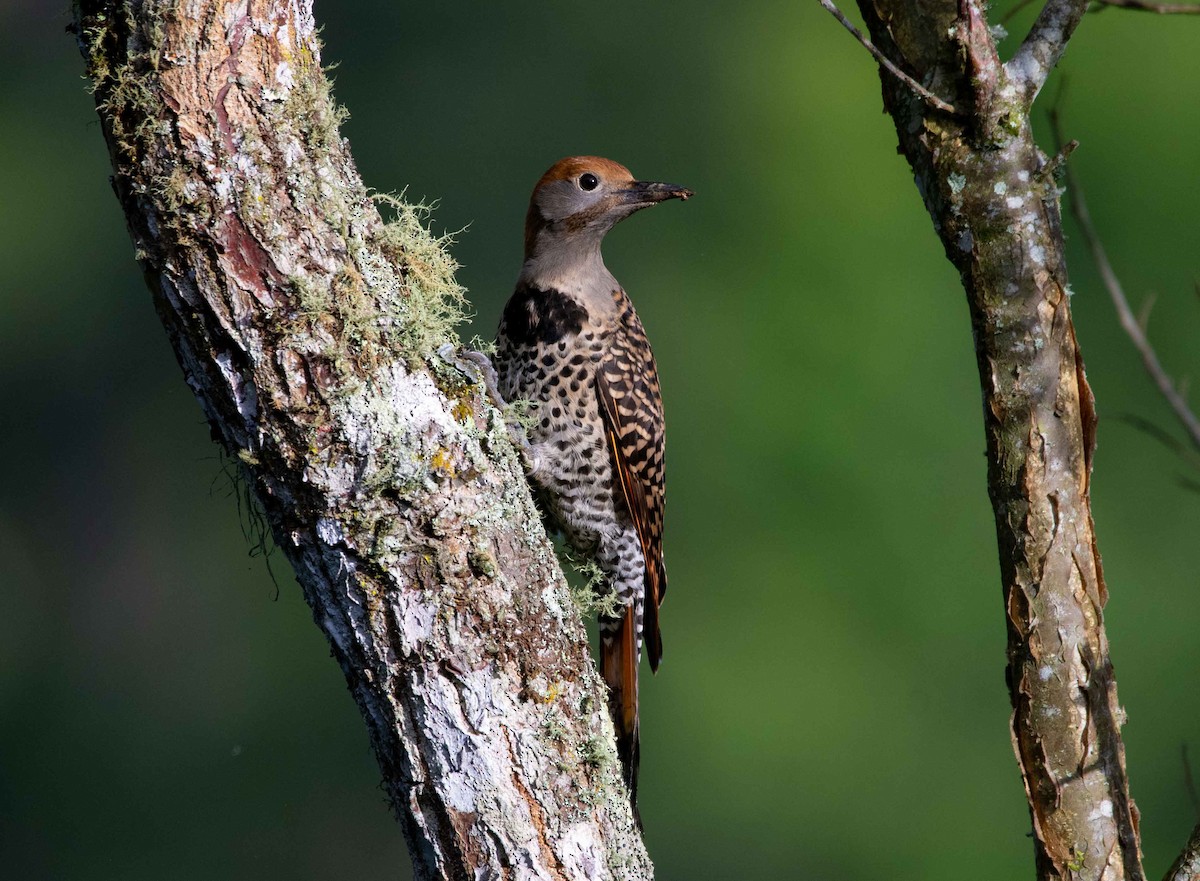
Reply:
x=482, y=701
x=284, y=76
x=330, y=531
x=397, y=424
x=244, y=394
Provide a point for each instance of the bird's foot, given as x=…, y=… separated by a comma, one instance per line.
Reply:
x=480, y=368
x=477, y=366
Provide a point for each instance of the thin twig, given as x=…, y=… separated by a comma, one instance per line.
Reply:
x=1125, y=314
x=1157, y=8
x=1059, y=160
x=886, y=62
x=1044, y=45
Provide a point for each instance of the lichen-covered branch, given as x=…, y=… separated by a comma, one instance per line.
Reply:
x=1187, y=867
x=995, y=206
x=1044, y=46
x=308, y=329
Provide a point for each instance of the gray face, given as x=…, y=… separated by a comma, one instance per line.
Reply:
x=579, y=200
x=589, y=197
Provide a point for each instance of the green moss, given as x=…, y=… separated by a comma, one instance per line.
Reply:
x=1078, y=860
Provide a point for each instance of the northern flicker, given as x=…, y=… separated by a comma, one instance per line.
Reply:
x=571, y=343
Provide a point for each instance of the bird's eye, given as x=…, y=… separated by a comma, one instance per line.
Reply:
x=588, y=181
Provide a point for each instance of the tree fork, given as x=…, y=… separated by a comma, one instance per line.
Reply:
x=310, y=330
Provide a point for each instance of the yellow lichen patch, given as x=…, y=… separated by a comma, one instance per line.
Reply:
x=443, y=462
x=462, y=411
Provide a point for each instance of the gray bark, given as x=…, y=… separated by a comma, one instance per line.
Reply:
x=994, y=203
x=308, y=329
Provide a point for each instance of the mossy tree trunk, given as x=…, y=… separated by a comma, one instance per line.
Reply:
x=309, y=330
x=994, y=202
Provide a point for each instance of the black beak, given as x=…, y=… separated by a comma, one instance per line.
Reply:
x=644, y=192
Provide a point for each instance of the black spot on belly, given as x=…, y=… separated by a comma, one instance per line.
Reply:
x=536, y=316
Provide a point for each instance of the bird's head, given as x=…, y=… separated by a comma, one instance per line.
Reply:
x=581, y=198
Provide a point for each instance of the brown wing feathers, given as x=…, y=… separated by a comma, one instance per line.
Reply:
x=634, y=492
x=631, y=403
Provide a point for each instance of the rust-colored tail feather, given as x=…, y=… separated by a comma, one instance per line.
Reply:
x=619, y=666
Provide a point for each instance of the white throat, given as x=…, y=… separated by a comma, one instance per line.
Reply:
x=579, y=273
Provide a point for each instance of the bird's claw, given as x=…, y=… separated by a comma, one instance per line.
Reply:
x=479, y=367
x=486, y=374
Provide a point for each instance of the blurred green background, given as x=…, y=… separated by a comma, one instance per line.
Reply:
x=832, y=701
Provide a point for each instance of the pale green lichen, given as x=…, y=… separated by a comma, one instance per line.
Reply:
x=597, y=752
x=483, y=562
x=554, y=726
x=592, y=593
x=433, y=303
x=484, y=347
x=311, y=104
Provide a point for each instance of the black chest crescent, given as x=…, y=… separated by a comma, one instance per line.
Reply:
x=535, y=316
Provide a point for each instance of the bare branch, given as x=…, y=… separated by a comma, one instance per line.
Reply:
x=1157, y=8
x=1133, y=328
x=982, y=178
x=886, y=62
x=1044, y=46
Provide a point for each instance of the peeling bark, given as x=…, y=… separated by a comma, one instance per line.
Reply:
x=994, y=203
x=309, y=331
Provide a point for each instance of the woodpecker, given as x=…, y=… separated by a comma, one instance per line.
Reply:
x=571, y=343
